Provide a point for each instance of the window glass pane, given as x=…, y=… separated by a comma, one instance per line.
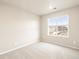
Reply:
x=58, y=26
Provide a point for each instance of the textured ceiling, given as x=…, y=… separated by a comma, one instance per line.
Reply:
x=41, y=7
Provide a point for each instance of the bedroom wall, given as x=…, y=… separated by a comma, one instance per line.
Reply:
x=73, y=40
x=17, y=28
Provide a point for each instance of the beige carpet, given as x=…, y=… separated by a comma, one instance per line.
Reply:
x=42, y=51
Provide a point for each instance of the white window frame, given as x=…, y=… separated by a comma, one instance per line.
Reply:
x=58, y=35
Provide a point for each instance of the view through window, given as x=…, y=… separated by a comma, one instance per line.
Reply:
x=58, y=26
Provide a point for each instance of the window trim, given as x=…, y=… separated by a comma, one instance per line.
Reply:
x=58, y=35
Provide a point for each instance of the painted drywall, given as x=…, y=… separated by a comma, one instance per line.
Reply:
x=17, y=28
x=73, y=40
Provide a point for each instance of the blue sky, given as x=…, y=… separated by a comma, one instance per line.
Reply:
x=61, y=20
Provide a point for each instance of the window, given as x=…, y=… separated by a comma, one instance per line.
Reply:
x=58, y=26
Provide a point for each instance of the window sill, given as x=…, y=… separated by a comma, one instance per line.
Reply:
x=58, y=36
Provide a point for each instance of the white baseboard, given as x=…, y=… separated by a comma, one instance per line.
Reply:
x=21, y=46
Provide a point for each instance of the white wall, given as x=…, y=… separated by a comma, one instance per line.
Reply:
x=73, y=40
x=17, y=28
